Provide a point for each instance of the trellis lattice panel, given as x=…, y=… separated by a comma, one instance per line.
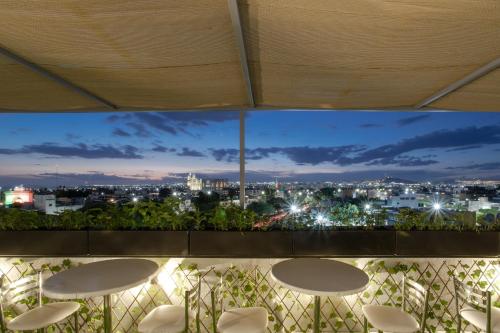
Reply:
x=247, y=282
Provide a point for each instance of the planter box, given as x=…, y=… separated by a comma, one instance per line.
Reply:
x=43, y=243
x=138, y=243
x=448, y=243
x=253, y=244
x=344, y=243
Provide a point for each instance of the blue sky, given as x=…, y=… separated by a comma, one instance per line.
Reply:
x=148, y=147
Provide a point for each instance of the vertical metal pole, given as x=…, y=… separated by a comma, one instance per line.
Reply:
x=77, y=327
x=107, y=314
x=242, y=159
x=317, y=310
x=214, y=311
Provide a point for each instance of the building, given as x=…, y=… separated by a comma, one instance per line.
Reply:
x=51, y=206
x=481, y=203
x=193, y=183
x=216, y=184
x=19, y=195
x=404, y=201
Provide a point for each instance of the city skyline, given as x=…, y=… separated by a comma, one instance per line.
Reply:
x=151, y=147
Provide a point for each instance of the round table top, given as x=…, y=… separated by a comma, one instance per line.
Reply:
x=99, y=278
x=320, y=277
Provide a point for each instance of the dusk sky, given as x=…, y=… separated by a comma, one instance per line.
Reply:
x=132, y=148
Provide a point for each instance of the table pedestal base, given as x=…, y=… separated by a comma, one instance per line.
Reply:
x=317, y=311
x=107, y=314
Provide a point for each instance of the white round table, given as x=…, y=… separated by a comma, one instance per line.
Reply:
x=319, y=277
x=100, y=278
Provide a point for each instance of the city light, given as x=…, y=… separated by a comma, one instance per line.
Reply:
x=294, y=209
x=436, y=206
x=320, y=218
x=135, y=199
x=368, y=206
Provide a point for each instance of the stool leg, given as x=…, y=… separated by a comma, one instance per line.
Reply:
x=317, y=310
x=365, y=325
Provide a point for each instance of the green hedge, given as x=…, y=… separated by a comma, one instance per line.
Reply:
x=168, y=215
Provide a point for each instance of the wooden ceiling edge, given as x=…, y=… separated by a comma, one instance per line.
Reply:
x=258, y=108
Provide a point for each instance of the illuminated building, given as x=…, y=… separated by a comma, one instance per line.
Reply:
x=19, y=195
x=216, y=184
x=194, y=184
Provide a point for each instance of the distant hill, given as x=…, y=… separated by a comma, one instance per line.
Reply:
x=388, y=180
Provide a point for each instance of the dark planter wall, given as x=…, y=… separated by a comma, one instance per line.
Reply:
x=448, y=243
x=240, y=244
x=139, y=243
x=344, y=243
x=43, y=243
x=269, y=244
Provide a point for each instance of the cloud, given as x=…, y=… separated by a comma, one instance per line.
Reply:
x=392, y=154
x=173, y=123
x=479, y=166
x=120, y=132
x=456, y=138
x=118, y=117
x=464, y=148
x=411, y=120
x=140, y=130
x=80, y=150
x=299, y=155
x=228, y=155
x=200, y=118
x=404, y=161
x=370, y=125
x=162, y=149
x=190, y=153
x=154, y=120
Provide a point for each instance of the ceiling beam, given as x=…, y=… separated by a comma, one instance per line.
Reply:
x=56, y=78
x=240, y=42
x=478, y=73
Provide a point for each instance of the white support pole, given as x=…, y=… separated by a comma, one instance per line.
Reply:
x=242, y=159
x=240, y=42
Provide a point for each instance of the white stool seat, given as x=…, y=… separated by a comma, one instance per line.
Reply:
x=164, y=319
x=390, y=319
x=478, y=318
x=43, y=316
x=243, y=320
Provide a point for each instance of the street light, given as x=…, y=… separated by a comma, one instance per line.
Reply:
x=436, y=206
x=320, y=218
x=294, y=209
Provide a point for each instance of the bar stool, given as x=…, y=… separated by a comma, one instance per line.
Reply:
x=38, y=318
x=175, y=318
x=392, y=319
x=476, y=308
